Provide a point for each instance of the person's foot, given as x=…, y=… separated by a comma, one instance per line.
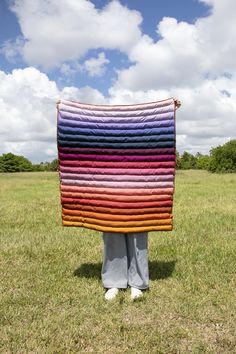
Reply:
x=111, y=293
x=136, y=293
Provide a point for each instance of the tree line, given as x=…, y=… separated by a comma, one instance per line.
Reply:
x=15, y=163
x=221, y=159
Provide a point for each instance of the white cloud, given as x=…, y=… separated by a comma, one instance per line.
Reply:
x=185, y=53
x=96, y=66
x=12, y=48
x=67, y=70
x=173, y=60
x=84, y=94
x=60, y=30
x=28, y=112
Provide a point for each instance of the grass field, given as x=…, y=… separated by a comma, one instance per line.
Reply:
x=52, y=299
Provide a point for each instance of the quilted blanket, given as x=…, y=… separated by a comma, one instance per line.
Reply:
x=117, y=165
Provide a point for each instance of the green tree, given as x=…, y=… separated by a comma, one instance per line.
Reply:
x=202, y=161
x=14, y=163
x=1, y=164
x=187, y=161
x=54, y=165
x=223, y=158
x=178, y=160
x=46, y=166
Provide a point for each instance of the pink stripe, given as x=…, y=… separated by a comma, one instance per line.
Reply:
x=132, y=107
x=120, y=178
x=115, y=114
x=118, y=184
x=110, y=171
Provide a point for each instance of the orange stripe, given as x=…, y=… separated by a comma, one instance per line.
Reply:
x=122, y=198
x=114, y=216
x=119, y=223
x=119, y=191
x=119, y=229
x=118, y=204
x=132, y=211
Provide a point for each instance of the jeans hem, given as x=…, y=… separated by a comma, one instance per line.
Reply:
x=115, y=286
x=139, y=287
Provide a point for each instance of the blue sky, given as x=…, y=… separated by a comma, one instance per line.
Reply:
x=116, y=52
x=152, y=12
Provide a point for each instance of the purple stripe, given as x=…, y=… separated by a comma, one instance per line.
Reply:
x=163, y=158
x=114, y=125
x=106, y=151
x=124, y=120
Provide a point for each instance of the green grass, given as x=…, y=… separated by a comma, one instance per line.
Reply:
x=52, y=299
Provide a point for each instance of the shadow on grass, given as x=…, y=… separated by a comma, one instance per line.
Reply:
x=157, y=270
x=161, y=269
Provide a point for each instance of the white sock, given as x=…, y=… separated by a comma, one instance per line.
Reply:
x=111, y=293
x=136, y=293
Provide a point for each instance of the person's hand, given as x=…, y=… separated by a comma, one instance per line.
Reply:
x=177, y=103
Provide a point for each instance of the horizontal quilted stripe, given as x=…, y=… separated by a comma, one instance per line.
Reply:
x=117, y=112
x=110, y=171
x=118, y=229
x=117, y=211
x=117, y=119
x=117, y=217
x=118, y=184
x=121, y=223
x=115, y=139
x=115, y=132
x=164, y=159
x=105, y=151
x=122, y=198
x=131, y=145
x=117, y=107
x=63, y=122
x=117, y=164
x=114, y=191
x=118, y=204
x=114, y=178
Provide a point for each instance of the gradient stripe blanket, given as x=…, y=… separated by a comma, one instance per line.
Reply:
x=117, y=165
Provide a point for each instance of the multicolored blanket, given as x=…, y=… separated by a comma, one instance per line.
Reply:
x=117, y=165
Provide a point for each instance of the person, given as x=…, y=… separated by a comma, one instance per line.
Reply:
x=125, y=261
